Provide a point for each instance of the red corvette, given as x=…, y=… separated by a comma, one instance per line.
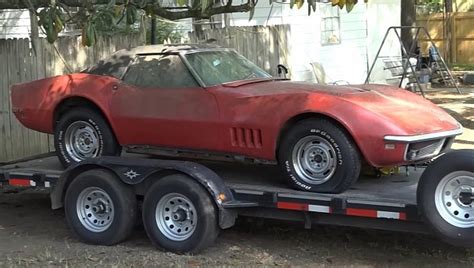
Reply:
x=207, y=101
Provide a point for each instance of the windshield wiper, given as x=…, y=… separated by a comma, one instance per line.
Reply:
x=252, y=81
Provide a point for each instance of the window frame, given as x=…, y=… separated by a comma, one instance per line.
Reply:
x=331, y=17
x=193, y=74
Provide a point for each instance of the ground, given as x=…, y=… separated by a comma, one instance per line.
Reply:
x=33, y=235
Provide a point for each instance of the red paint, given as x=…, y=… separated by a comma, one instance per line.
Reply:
x=19, y=182
x=403, y=216
x=292, y=206
x=237, y=118
x=361, y=212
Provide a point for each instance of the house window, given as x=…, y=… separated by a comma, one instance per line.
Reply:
x=330, y=25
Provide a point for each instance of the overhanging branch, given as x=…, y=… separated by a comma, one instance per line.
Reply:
x=158, y=10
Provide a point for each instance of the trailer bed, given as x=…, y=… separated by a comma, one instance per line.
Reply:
x=397, y=188
x=392, y=197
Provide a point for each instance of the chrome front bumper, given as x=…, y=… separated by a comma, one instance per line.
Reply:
x=424, y=137
x=426, y=146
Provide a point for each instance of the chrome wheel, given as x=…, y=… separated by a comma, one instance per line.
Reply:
x=314, y=159
x=95, y=209
x=454, y=199
x=176, y=217
x=81, y=140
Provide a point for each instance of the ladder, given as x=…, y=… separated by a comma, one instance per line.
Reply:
x=439, y=70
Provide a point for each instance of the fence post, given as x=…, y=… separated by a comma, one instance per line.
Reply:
x=453, y=41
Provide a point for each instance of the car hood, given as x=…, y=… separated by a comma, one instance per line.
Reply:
x=406, y=111
x=263, y=87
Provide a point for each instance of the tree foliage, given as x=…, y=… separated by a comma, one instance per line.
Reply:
x=102, y=16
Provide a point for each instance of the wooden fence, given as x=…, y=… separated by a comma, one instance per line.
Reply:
x=265, y=46
x=23, y=61
x=459, y=26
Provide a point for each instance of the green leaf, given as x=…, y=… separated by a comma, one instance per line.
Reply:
x=311, y=6
x=182, y=2
x=299, y=3
x=292, y=3
x=111, y=4
x=204, y=5
x=341, y=3
x=251, y=13
x=350, y=5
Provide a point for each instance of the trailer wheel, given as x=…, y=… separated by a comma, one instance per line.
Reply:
x=99, y=208
x=179, y=215
x=446, y=197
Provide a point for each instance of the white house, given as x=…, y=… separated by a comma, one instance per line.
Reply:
x=14, y=24
x=344, y=43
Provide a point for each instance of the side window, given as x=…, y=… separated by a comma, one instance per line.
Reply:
x=159, y=71
x=113, y=66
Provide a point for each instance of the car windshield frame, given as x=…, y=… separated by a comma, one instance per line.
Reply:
x=205, y=83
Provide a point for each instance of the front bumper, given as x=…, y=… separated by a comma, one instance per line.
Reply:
x=424, y=137
x=425, y=146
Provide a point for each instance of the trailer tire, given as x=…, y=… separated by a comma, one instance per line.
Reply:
x=179, y=215
x=443, y=197
x=99, y=208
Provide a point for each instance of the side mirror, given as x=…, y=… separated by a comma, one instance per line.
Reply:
x=282, y=69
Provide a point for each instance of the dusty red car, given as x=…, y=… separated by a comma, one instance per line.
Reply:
x=210, y=102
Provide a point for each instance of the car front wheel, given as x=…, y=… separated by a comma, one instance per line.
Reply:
x=318, y=156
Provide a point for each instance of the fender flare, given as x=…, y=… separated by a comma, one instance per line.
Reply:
x=134, y=171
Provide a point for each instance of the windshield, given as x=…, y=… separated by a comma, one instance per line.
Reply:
x=218, y=67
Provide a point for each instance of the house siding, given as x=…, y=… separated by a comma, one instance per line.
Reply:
x=14, y=24
x=345, y=61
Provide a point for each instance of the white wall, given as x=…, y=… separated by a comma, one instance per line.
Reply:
x=14, y=24
x=346, y=61
x=381, y=14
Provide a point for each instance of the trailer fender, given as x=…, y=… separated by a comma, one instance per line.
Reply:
x=134, y=171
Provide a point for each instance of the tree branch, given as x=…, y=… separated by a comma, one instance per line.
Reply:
x=163, y=12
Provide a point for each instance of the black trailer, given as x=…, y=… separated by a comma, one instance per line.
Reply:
x=185, y=204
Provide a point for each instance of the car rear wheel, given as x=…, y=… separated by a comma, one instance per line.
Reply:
x=318, y=156
x=83, y=133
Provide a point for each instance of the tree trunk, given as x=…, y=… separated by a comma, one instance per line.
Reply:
x=408, y=18
x=448, y=25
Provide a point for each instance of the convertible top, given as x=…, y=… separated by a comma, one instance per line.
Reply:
x=116, y=64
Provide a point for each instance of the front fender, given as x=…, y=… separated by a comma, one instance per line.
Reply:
x=366, y=128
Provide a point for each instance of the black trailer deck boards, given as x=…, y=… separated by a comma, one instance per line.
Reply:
x=388, y=197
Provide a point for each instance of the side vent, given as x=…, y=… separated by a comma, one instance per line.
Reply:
x=246, y=137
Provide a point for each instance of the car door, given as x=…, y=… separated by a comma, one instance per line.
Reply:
x=159, y=103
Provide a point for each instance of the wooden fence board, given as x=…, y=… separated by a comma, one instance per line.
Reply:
x=461, y=28
x=22, y=61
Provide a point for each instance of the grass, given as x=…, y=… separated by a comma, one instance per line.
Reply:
x=463, y=67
